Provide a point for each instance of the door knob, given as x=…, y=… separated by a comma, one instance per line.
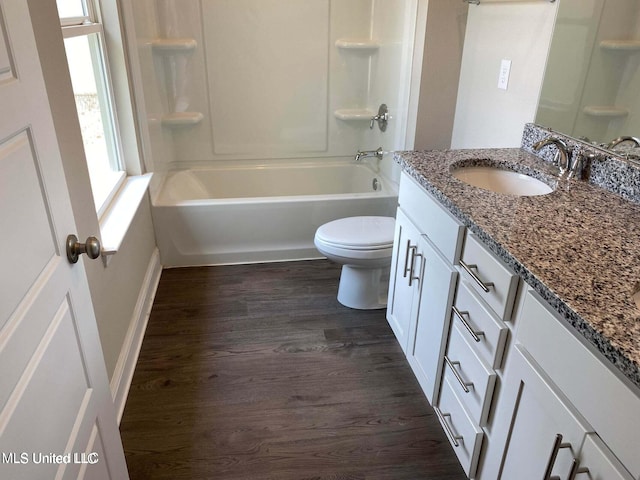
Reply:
x=74, y=248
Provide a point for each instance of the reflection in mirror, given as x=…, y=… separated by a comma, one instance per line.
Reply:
x=592, y=81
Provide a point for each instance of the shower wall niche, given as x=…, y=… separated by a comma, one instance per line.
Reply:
x=269, y=79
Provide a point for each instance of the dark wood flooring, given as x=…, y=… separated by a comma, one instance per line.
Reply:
x=257, y=372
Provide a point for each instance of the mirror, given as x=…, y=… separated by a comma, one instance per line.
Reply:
x=591, y=86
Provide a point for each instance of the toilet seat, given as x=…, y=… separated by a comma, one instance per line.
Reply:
x=358, y=233
x=337, y=252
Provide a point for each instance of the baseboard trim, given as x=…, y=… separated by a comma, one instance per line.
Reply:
x=123, y=373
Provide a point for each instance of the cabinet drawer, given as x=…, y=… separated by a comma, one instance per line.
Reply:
x=469, y=377
x=442, y=228
x=464, y=436
x=486, y=269
x=486, y=334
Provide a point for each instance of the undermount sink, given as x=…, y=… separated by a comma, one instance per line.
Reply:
x=499, y=180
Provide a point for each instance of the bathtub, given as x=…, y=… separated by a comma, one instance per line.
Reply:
x=249, y=214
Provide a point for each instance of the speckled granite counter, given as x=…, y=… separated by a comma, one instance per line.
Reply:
x=578, y=247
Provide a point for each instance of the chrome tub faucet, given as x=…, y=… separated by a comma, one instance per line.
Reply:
x=369, y=153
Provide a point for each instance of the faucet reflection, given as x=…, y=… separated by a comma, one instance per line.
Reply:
x=623, y=139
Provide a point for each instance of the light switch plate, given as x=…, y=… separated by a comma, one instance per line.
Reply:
x=503, y=77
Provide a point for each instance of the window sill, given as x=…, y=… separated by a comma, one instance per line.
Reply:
x=116, y=220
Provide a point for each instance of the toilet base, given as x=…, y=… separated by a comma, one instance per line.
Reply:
x=363, y=288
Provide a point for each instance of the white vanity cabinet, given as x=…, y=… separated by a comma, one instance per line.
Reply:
x=562, y=411
x=427, y=243
x=520, y=394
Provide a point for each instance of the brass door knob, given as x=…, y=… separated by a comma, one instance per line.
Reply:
x=74, y=248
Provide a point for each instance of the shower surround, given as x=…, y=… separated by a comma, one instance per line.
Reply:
x=253, y=83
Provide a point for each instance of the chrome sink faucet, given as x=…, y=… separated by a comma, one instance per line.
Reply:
x=369, y=153
x=563, y=153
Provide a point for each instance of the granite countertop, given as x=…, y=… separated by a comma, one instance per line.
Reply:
x=578, y=247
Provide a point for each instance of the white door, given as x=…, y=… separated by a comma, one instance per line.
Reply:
x=57, y=419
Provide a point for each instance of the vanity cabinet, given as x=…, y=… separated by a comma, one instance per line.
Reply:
x=519, y=394
x=427, y=243
x=561, y=412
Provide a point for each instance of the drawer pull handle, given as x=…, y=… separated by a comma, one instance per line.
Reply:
x=447, y=428
x=414, y=254
x=557, y=445
x=406, y=258
x=576, y=469
x=465, y=385
x=468, y=268
x=460, y=315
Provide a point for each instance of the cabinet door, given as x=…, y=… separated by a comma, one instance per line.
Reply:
x=610, y=406
x=405, y=268
x=538, y=416
x=428, y=332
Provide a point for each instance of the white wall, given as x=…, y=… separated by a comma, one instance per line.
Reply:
x=518, y=31
x=268, y=78
x=114, y=289
x=394, y=26
x=443, y=44
x=142, y=26
x=268, y=89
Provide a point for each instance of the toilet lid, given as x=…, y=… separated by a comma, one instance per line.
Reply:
x=358, y=232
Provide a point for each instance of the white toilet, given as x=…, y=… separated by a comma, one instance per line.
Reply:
x=363, y=245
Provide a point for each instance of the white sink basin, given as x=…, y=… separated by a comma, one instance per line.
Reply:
x=501, y=181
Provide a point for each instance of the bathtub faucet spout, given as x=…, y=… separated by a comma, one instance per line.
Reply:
x=369, y=153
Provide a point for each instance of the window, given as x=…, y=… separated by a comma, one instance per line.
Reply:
x=87, y=57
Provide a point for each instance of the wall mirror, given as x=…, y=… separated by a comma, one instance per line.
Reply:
x=591, y=88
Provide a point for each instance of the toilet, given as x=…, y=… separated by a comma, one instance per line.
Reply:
x=363, y=245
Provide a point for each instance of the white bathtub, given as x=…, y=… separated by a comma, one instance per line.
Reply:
x=251, y=214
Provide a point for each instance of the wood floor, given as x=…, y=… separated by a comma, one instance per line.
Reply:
x=257, y=372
